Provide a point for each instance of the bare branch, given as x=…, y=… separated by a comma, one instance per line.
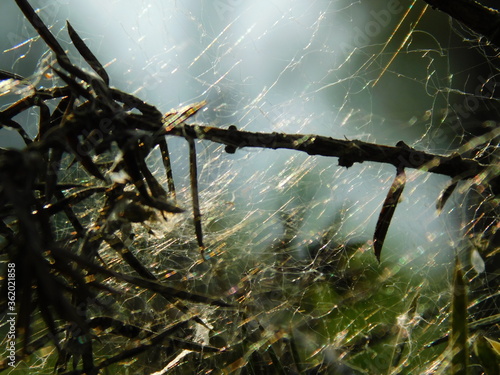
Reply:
x=348, y=152
x=479, y=18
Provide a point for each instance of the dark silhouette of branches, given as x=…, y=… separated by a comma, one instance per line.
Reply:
x=481, y=19
x=349, y=152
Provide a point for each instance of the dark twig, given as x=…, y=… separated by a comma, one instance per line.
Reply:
x=40, y=27
x=348, y=152
x=479, y=18
x=388, y=209
x=75, y=86
x=446, y=193
x=193, y=172
x=154, y=186
x=165, y=157
x=148, y=343
x=152, y=285
x=77, y=226
x=87, y=54
x=8, y=75
x=72, y=199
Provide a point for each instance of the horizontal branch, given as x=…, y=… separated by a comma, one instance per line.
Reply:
x=348, y=152
x=477, y=17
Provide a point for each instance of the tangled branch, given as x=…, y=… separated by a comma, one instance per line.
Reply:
x=348, y=151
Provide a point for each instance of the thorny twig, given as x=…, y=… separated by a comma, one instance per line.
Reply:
x=349, y=152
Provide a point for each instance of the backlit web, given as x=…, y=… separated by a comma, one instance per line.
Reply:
x=288, y=235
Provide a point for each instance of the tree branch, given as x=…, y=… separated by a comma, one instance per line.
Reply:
x=348, y=152
x=477, y=17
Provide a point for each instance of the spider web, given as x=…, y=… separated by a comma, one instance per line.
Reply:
x=289, y=236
